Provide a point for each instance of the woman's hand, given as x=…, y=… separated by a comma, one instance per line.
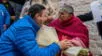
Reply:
x=70, y=44
x=64, y=44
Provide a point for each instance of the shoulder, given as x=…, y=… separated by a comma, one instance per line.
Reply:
x=2, y=6
x=22, y=23
x=79, y=22
x=19, y=28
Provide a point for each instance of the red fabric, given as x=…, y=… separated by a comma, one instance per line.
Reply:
x=72, y=28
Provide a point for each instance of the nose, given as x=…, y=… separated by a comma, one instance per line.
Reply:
x=62, y=15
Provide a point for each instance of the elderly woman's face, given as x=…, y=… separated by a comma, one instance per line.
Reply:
x=64, y=16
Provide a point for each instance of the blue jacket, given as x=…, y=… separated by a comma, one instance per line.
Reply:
x=4, y=17
x=20, y=40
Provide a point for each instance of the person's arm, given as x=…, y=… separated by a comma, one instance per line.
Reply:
x=86, y=17
x=1, y=15
x=25, y=40
x=7, y=17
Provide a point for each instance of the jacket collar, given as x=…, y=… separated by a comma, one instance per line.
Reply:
x=32, y=22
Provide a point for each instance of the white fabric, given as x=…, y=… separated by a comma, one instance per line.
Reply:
x=46, y=36
x=96, y=8
x=74, y=51
x=25, y=8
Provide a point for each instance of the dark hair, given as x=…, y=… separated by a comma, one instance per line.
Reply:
x=34, y=9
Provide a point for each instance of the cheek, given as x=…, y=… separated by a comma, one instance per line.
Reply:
x=44, y=19
x=61, y=16
x=38, y=20
x=65, y=17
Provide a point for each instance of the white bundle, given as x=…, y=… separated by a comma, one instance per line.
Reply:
x=46, y=36
x=76, y=51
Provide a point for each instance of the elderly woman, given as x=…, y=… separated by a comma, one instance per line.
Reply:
x=70, y=27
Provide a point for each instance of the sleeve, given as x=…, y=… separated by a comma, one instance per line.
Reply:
x=84, y=37
x=86, y=17
x=7, y=17
x=1, y=14
x=25, y=41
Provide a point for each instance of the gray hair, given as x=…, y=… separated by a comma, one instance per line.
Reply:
x=67, y=8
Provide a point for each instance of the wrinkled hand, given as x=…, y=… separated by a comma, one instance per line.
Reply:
x=70, y=42
x=64, y=44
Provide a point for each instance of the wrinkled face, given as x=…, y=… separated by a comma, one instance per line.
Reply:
x=64, y=16
x=100, y=1
x=41, y=17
